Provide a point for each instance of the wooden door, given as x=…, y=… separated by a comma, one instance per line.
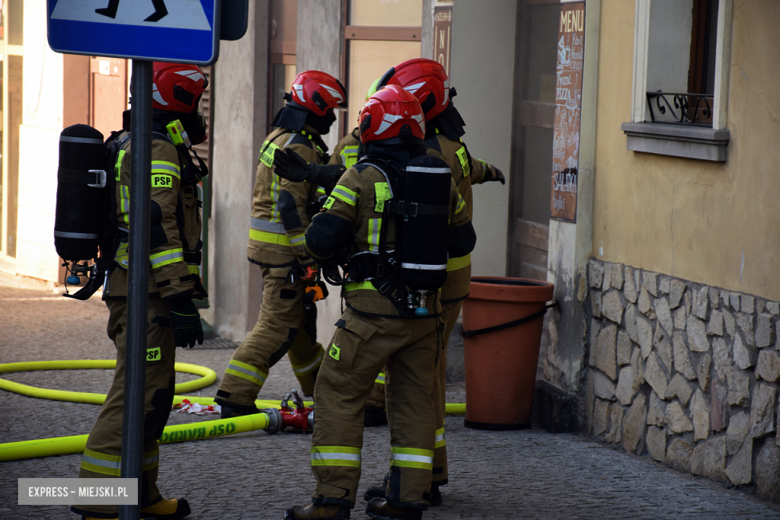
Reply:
x=532, y=137
x=108, y=93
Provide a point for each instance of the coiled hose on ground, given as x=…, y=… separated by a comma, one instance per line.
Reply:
x=174, y=433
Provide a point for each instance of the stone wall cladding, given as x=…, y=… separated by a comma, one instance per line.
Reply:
x=686, y=374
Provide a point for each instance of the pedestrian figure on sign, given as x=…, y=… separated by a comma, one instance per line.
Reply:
x=159, y=10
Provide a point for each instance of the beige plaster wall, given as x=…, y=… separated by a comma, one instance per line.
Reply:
x=712, y=223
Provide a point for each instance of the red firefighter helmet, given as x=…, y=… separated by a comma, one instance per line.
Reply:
x=318, y=92
x=387, y=113
x=177, y=87
x=424, y=78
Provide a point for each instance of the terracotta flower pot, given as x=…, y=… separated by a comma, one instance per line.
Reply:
x=501, y=364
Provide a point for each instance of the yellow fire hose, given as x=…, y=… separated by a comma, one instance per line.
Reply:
x=176, y=433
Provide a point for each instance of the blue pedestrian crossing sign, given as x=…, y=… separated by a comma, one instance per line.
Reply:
x=184, y=31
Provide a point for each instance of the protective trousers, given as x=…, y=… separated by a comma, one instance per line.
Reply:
x=103, y=453
x=361, y=346
x=283, y=327
x=449, y=314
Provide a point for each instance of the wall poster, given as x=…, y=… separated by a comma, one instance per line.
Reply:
x=568, y=106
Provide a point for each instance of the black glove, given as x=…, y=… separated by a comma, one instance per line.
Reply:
x=186, y=324
x=291, y=166
x=494, y=174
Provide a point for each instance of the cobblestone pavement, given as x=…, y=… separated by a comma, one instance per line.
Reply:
x=494, y=475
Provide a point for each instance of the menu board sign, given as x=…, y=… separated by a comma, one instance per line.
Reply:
x=568, y=106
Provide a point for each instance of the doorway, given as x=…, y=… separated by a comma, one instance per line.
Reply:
x=533, y=118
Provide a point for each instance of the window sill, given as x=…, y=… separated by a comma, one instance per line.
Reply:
x=705, y=144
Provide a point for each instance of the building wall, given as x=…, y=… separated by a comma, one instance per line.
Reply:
x=240, y=90
x=712, y=223
x=39, y=142
x=684, y=362
x=483, y=42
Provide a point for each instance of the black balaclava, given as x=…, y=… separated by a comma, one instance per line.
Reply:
x=449, y=122
x=321, y=124
x=293, y=116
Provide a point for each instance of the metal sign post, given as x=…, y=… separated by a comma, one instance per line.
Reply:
x=138, y=276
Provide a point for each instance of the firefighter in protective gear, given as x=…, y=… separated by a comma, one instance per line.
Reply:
x=429, y=83
x=375, y=330
x=347, y=151
x=286, y=324
x=174, y=280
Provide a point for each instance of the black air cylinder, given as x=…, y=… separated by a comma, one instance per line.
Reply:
x=79, y=216
x=424, y=251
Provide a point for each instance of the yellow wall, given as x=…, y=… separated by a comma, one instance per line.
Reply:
x=687, y=218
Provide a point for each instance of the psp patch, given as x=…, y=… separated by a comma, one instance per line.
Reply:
x=160, y=180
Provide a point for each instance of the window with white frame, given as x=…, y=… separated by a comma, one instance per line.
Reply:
x=681, y=66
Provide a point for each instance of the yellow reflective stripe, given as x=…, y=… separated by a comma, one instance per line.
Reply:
x=321, y=191
x=275, y=188
x=245, y=371
x=440, y=439
x=269, y=238
x=349, y=156
x=459, y=262
x=461, y=205
x=335, y=456
x=380, y=379
x=297, y=239
x=411, y=458
x=151, y=460
x=357, y=286
x=381, y=194
x=124, y=203
x=308, y=367
x=101, y=463
x=345, y=194
x=118, y=164
x=166, y=257
x=194, y=269
x=121, y=255
x=166, y=167
x=374, y=232
x=463, y=158
x=329, y=203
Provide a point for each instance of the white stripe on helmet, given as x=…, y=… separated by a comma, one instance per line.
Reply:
x=333, y=92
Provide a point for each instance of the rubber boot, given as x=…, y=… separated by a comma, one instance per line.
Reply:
x=380, y=509
x=229, y=410
x=172, y=509
x=379, y=492
x=375, y=416
x=318, y=512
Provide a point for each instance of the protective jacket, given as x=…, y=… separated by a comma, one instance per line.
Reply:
x=279, y=217
x=466, y=170
x=346, y=152
x=174, y=241
x=354, y=212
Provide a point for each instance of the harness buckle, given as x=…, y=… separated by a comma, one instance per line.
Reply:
x=100, y=179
